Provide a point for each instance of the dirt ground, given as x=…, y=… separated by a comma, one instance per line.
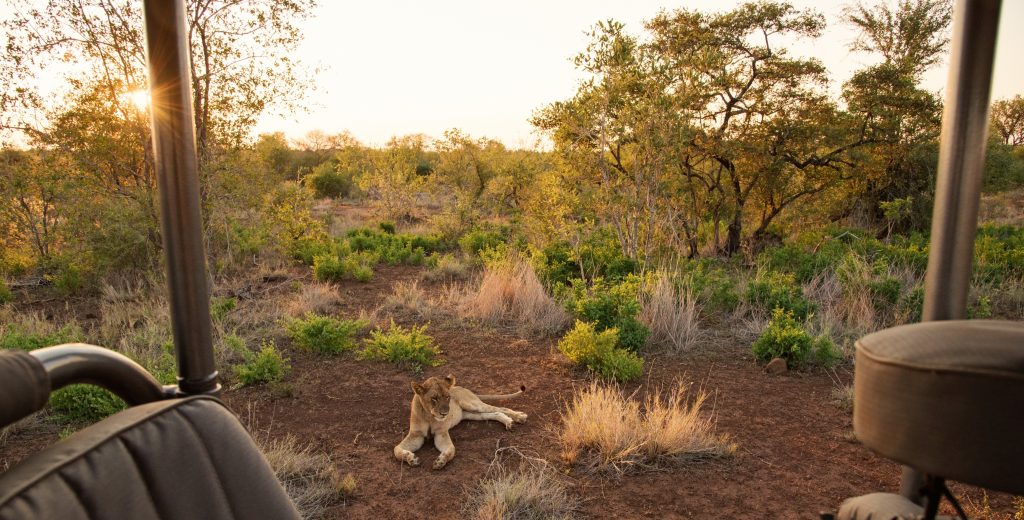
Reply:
x=796, y=453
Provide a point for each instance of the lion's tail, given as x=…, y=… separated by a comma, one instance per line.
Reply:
x=502, y=397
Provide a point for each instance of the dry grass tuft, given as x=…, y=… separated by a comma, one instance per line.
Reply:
x=842, y=396
x=408, y=297
x=532, y=491
x=604, y=430
x=309, y=477
x=672, y=313
x=511, y=293
x=448, y=269
x=315, y=298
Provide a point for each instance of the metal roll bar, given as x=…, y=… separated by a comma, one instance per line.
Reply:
x=961, y=163
x=174, y=150
x=74, y=363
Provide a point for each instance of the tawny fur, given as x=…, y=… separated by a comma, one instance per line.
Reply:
x=437, y=406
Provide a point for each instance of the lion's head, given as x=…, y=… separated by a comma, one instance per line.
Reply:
x=434, y=396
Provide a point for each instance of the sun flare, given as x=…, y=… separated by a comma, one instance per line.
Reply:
x=138, y=98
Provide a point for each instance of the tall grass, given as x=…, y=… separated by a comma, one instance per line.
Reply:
x=310, y=477
x=672, y=313
x=511, y=294
x=315, y=298
x=604, y=430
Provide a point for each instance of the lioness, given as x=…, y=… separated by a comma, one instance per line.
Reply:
x=437, y=406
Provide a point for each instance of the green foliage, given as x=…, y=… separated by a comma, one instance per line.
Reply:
x=69, y=278
x=596, y=350
x=391, y=248
x=328, y=182
x=387, y=227
x=305, y=249
x=999, y=254
x=266, y=366
x=84, y=404
x=785, y=338
x=6, y=295
x=912, y=304
x=221, y=306
x=477, y=240
x=713, y=285
x=324, y=334
x=610, y=305
x=354, y=266
x=980, y=309
x=12, y=337
x=885, y=292
x=411, y=347
x=772, y=290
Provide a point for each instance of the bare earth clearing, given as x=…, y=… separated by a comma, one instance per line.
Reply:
x=796, y=452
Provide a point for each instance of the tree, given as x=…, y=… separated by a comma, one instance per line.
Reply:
x=912, y=37
x=396, y=175
x=33, y=192
x=1007, y=120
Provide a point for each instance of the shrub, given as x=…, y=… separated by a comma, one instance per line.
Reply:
x=266, y=366
x=84, y=404
x=5, y=293
x=363, y=273
x=446, y=268
x=475, y=241
x=307, y=249
x=327, y=181
x=412, y=347
x=785, y=338
x=387, y=227
x=610, y=305
x=323, y=334
x=604, y=430
x=595, y=350
x=221, y=306
x=69, y=279
x=885, y=292
x=772, y=290
x=332, y=268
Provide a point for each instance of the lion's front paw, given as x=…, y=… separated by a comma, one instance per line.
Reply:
x=519, y=417
x=440, y=463
x=414, y=461
x=508, y=425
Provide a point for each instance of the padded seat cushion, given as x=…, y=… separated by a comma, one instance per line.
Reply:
x=181, y=458
x=945, y=397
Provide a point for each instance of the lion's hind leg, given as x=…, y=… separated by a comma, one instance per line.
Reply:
x=478, y=406
x=406, y=450
x=489, y=416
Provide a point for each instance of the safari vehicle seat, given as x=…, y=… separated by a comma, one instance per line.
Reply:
x=944, y=397
x=170, y=458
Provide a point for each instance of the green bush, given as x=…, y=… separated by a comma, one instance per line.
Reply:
x=712, y=285
x=596, y=350
x=391, y=248
x=478, y=240
x=306, y=249
x=266, y=366
x=363, y=273
x=221, y=306
x=332, y=268
x=387, y=227
x=84, y=404
x=328, y=182
x=69, y=279
x=13, y=337
x=324, y=334
x=885, y=292
x=773, y=290
x=412, y=347
x=785, y=338
x=610, y=305
x=5, y=293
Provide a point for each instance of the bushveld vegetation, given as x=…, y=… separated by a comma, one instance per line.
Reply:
x=703, y=179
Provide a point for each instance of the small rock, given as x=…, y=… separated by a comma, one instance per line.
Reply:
x=776, y=366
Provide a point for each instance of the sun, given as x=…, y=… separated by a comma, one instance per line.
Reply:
x=138, y=98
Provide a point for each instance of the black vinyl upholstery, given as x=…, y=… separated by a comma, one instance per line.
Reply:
x=181, y=458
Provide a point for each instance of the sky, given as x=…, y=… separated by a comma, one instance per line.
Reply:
x=394, y=67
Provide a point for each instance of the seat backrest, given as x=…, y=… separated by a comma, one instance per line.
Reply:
x=180, y=458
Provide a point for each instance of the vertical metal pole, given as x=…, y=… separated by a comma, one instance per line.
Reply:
x=174, y=149
x=961, y=161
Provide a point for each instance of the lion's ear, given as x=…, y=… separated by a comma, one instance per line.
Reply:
x=418, y=388
x=451, y=380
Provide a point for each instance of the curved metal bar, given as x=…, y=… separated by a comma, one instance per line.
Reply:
x=73, y=363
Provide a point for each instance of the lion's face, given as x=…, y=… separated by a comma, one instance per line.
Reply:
x=434, y=394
